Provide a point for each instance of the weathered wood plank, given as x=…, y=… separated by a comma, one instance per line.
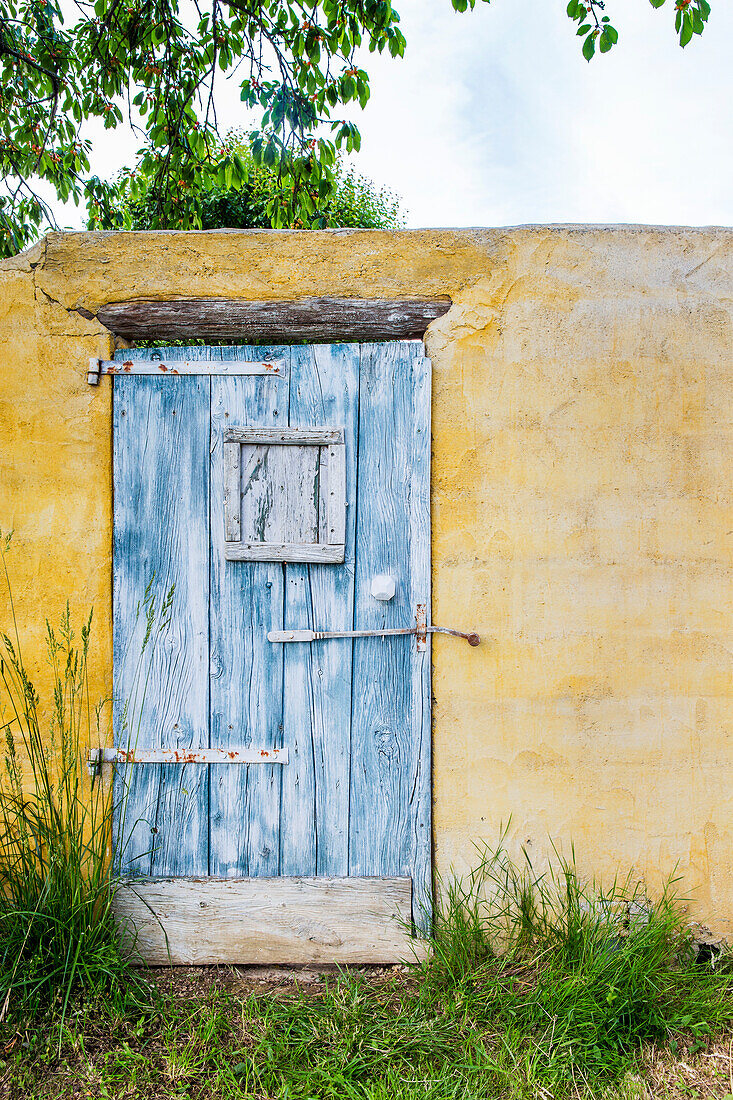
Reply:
x=298, y=437
x=318, y=320
x=420, y=794
x=231, y=455
x=283, y=552
x=265, y=920
x=317, y=716
x=279, y=503
x=161, y=434
x=336, y=489
x=246, y=670
x=383, y=759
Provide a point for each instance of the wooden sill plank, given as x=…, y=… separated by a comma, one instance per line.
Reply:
x=316, y=320
x=268, y=920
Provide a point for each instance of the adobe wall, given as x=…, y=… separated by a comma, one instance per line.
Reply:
x=582, y=507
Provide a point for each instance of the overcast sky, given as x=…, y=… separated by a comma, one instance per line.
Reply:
x=494, y=118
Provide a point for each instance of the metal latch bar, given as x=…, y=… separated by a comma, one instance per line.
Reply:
x=321, y=635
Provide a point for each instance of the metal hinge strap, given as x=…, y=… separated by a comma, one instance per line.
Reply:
x=270, y=367
x=98, y=757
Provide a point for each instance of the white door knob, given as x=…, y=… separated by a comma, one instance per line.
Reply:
x=383, y=586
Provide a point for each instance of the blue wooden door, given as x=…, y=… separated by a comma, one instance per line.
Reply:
x=194, y=668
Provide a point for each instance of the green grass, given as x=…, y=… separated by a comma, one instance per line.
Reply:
x=535, y=983
x=537, y=986
x=367, y=1036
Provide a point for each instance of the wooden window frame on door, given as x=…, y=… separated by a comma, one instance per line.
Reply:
x=333, y=494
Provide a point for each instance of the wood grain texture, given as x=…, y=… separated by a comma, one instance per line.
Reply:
x=335, y=484
x=265, y=920
x=298, y=437
x=161, y=444
x=290, y=493
x=247, y=600
x=231, y=457
x=280, y=493
x=284, y=552
x=317, y=704
x=420, y=795
x=386, y=764
x=318, y=320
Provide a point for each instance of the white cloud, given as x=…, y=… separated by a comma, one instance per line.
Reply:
x=495, y=118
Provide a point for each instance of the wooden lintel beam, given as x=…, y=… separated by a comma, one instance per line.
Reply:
x=316, y=320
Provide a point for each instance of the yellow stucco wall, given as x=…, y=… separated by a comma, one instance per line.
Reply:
x=582, y=507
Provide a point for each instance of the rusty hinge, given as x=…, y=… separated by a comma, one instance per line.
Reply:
x=98, y=757
x=155, y=366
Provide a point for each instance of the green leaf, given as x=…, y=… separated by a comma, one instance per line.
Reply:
x=165, y=57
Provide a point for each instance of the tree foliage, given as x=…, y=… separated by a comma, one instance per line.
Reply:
x=596, y=30
x=354, y=202
x=155, y=66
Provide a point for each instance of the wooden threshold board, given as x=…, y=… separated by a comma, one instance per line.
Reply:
x=268, y=920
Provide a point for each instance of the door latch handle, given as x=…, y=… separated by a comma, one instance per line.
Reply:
x=321, y=635
x=471, y=637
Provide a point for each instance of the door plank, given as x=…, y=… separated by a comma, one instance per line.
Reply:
x=264, y=920
x=324, y=390
x=420, y=804
x=385, y=764
x=246, y=669
x=161, y=437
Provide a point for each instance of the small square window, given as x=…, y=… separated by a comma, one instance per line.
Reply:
x=284, y=494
